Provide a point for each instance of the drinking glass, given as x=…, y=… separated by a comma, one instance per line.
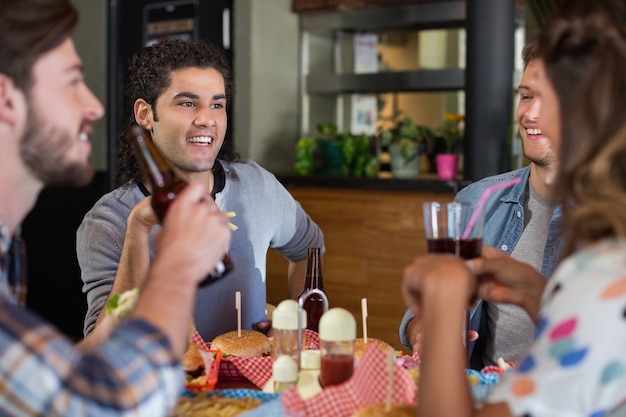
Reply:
x=454, y=228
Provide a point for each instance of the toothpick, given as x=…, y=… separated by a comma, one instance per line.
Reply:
x=364, y=314
x=502, y=364
x=390, y=373
x=238, y=307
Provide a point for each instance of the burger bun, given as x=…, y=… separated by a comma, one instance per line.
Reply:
x=251, y=344
x=192, y=361
x=360, y=347
x=379, y=410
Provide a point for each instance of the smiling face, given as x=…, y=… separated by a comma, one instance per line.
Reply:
x=538, y=146
x=55, y=144
x=189, y=122
x=550, y=120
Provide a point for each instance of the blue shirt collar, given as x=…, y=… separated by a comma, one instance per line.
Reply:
x=517, y=193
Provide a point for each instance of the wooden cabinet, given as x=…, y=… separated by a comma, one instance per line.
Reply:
x=371, y=235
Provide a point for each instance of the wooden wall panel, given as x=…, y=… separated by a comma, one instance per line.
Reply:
x=371, y=235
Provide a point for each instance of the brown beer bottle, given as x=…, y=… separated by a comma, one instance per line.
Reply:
x=165, y=186
x=314, y=304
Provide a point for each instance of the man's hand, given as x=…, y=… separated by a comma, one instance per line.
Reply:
x=414, y=334
x=142, y=214
x=194, y=237
x=195, y=234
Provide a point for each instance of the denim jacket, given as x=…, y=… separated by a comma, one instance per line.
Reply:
x=504, y=223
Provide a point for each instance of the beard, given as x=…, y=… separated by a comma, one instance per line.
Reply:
x=544, y=157
x=45, y=149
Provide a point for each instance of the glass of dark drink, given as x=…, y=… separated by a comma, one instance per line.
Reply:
x=457, y=229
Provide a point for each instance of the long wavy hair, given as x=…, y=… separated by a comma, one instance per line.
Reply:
x=149, y=75
x=29, y=29
x=584, y=50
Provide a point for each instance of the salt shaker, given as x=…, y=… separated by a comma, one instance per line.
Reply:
x=285, y=326
x=284, y=373
x=308, y=377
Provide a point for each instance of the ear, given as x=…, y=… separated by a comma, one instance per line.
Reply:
x=11, y=100
x=143, y=114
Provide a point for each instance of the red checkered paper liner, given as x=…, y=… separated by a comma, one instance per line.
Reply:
x=197, y=339
x=366, y=386
x=256, y=370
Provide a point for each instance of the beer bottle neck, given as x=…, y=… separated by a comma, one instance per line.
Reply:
x=316, y=275
x=314, y=270
x=157, y=169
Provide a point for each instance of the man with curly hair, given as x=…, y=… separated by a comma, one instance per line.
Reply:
x=179, y=91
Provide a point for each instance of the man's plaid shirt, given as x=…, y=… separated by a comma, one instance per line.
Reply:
x=12, y=265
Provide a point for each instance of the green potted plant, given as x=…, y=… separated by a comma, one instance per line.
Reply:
x=336, y=154
x=451, y=133
x=406, y=142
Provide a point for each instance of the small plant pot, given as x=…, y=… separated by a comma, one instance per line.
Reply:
x=402, y=167
x=447, y=166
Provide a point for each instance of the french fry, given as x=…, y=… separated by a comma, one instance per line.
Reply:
x=230, y=215
x=214, y=406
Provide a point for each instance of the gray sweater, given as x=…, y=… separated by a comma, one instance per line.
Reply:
x=266, y=216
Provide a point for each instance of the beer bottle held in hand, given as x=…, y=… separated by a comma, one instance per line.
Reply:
x=165, y=186
x=314, y=304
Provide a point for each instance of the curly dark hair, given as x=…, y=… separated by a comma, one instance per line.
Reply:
x=29, y=29
x=149, y=75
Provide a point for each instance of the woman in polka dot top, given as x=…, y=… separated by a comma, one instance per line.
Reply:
x=577, y=363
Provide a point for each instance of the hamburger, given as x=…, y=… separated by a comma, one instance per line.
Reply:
x=192, y=362
x=360, y=347
x=251, y=344
x=379, y=410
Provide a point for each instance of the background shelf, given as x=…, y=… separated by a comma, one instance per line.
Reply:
x=448, y=79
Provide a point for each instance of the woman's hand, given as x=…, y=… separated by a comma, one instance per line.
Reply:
x=502, y=279
x=446, y=275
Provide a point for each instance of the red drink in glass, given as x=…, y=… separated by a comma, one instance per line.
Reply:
x=335, y=369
